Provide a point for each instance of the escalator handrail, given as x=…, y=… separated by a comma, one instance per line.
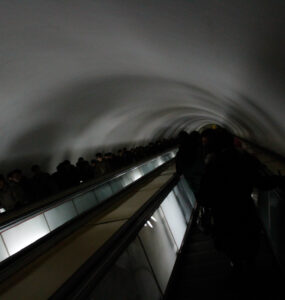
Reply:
x=76, y=191
x=14, y=263
x=80, y=284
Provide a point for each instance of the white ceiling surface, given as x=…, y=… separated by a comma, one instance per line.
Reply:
x=76, y=75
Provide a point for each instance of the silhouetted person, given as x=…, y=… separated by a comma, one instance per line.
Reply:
x=8, y=199
x=210, y=144
x=20, y=190
x=95, y=170
x=102, y=166
x=111, y=159
x=43, y=184
x=84, y=169
x=108, y=162
x=189, y=159
x=121, y=161
x=21, y=186
x=67, y=175
x=116, y=161
x=226, y=188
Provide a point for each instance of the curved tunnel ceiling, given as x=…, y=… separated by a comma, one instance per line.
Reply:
x=76, y=75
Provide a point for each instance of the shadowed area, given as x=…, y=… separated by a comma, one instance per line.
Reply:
x=77, y=76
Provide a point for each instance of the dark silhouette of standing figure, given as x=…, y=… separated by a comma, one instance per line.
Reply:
x=189, y=159
x=226, y=189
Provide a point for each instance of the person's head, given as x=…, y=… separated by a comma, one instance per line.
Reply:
x=17, y=175
x=208, y=136
x=80, y=162
x=93, y=162
x=99, y=157
x=183, y=138
x=67, y=162
x=60, y=167
x=36, y=169
x=225, y=139
x=210, y=140
x=194, y=139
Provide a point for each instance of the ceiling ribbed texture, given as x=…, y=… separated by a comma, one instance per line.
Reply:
x=77, y=75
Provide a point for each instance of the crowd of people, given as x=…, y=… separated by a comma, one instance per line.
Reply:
x=18, y=190
x=222, y=176
x=220, y=173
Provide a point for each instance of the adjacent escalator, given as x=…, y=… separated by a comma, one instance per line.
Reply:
x=204, y=273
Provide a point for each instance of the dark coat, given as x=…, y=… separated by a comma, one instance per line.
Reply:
x=226, y=188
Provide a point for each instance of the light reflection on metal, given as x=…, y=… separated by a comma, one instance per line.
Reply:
x=149, y=224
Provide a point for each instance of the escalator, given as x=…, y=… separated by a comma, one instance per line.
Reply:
x=144, y=245
x=137, y=262
x=164, y=254
x=204, y=273
x=42, y=247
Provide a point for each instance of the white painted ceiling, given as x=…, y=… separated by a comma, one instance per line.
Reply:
x=77, y=75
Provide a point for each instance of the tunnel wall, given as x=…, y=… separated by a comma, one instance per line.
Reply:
x=78, y=76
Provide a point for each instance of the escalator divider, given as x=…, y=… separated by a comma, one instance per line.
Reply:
x=14, y=263
x=81, y=283
x=76, y=191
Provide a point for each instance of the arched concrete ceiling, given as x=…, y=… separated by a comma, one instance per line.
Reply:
x=76, y=75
